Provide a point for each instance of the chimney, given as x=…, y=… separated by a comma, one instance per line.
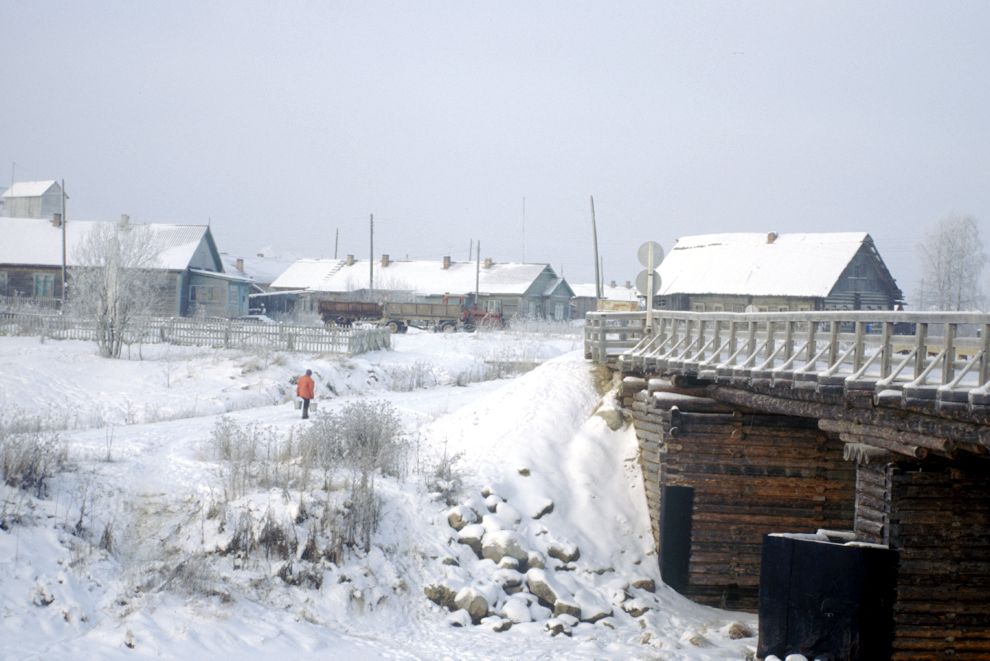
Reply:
x=488, y=262
x=771, y=237
x=349, y=261
x=56, y=220
x=385, y=261
x=628, y=284
x=124, y=220
x=239, y=265
x=612, y=284
x=446, y=261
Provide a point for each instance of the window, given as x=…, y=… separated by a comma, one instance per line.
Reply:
x=44, y=285
x=204, y=294
x=717, y=307
x=697, y=307
x=493, y=305
x=558, y=311
x=782, y=308
x=3, y=283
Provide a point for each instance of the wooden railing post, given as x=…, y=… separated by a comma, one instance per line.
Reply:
x=833, y=342
x=920, y=347
x=887, y=348
x=860, y=348
x=949, y=359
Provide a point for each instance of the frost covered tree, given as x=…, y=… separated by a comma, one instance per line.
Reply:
x=952, y=258
x=116, y=285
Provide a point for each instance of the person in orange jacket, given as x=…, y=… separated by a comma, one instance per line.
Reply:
x=305, y=389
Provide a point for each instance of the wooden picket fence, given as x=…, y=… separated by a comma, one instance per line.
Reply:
x=220, y=333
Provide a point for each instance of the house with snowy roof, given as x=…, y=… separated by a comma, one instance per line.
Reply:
x=512, y=289
x=31, y=258
x=770, y=272
x=32, y=199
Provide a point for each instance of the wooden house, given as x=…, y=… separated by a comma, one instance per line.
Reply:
x=512, y=289
x=773, y=272
x=32, y=199
x=31, y=258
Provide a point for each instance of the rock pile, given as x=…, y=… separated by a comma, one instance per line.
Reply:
x=507, y=568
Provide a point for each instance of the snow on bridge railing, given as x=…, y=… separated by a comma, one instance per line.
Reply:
x=220, y=333
x=928, y=356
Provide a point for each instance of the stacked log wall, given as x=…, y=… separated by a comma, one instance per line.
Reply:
x=940, y=525
x=751, y=474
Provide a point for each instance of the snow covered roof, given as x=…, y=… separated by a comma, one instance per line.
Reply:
x=29, y=188
x=420, y=276
x=752, y=264
x=619, y=293
x=37, y=242
x=262, y=270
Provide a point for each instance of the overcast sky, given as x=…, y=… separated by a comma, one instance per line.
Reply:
x=281, y=122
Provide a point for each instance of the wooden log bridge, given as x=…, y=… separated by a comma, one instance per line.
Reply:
x=856, y=427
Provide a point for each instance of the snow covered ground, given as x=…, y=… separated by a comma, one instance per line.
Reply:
x=133, y=549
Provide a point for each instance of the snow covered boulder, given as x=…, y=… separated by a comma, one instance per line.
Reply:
x=441, y=595
x=636, y=607
x=647, y=584
x=492, y=501
x=508, y=562
x=564, y=551
x=536, y=559
x=542, y=508
x=552, y=593
x=459, y=619
x=474, y=602
x=508, y=513
x=471, y=535
x=492, y=523
x=498, y=545
x=460, y=516
x=509, y=580
x=516, y=609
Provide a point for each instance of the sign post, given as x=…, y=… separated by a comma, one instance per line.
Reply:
x=648, y=281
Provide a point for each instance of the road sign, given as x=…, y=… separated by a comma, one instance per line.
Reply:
x=644, y=255
x=642, y=282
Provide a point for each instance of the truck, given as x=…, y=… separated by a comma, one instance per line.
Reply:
x=398, y=317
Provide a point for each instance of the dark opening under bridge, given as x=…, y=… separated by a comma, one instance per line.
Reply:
x=871, y=426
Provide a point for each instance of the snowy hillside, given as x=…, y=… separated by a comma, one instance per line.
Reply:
x=191, y=513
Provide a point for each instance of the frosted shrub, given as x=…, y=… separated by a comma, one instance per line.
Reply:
x=29, y=461
x=372, y=438
x=406, y=378
x=255, y=456
x=444, y=480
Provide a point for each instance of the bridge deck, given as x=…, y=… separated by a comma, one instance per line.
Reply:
x=938, y=360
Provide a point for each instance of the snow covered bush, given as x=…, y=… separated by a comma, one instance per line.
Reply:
x=256, y=456
x=29, y=461
x=372, y=438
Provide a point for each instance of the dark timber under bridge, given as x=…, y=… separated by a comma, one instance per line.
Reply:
x=871, y=427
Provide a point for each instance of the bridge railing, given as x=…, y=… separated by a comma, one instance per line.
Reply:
x=917, y=355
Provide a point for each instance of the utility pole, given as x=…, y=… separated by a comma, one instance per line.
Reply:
x=471, y=250
x=477, y=277
x=594, y=236
x=371, y=258
x=62, y=305
x=336, y=242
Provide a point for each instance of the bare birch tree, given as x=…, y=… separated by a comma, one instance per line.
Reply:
x=952, y=258
x=116, y=285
